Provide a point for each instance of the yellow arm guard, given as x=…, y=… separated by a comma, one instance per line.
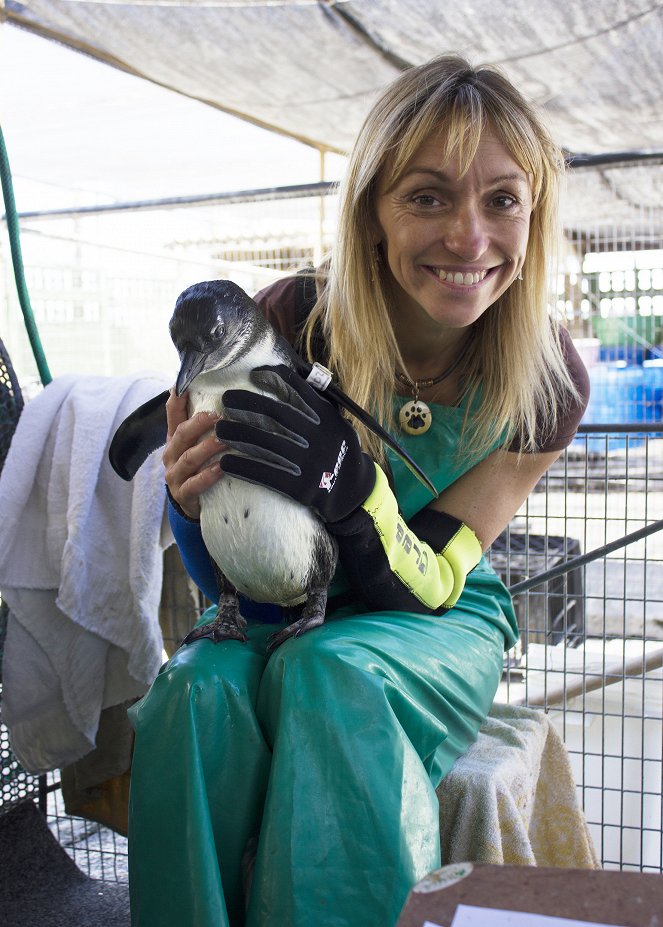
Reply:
x=419, y=566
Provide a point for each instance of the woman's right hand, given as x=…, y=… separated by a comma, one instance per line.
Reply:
x=189, y=461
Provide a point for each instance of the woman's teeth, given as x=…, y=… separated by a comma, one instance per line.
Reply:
x=461, y=279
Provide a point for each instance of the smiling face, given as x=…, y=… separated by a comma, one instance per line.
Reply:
x=452, y=244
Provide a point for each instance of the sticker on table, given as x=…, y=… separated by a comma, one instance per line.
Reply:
x=469, y=916
x=444, y=877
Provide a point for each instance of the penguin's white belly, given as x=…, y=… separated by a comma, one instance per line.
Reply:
x=268, y=546
x=263, y=542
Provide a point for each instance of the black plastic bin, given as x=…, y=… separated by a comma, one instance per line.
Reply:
x=554, y=611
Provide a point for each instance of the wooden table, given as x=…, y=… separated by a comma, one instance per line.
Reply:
x=626, y=899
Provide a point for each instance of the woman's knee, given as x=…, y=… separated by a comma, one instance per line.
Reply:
x=203, y=673
x=320, y=654
x=200, y=664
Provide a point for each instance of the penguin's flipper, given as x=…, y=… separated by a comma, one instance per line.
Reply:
x=140, y=433
x=336, y=394
x=341, y=399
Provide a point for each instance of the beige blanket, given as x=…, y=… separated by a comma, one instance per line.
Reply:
x=512, y=799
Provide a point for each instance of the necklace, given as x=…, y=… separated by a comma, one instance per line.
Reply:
x=415, y=417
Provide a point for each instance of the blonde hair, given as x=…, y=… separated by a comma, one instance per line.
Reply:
x=514, y=375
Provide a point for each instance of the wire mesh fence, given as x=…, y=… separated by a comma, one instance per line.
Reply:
x=103, y=290
x=592, y=640
x=97, y=850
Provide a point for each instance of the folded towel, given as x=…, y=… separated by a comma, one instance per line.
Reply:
x=81, y=555
x=511, y=798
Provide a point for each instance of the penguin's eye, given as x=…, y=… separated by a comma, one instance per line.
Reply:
x=218, y=331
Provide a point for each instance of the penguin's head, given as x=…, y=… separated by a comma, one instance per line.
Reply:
x=213, y=325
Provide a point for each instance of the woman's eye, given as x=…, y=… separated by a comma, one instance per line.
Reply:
x=504, y=201
x=425, y=199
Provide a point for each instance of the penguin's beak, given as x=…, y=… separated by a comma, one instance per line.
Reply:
x=192, y=362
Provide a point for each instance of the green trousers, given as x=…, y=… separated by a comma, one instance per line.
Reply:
x=319, y=762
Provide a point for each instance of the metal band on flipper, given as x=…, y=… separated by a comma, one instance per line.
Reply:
x=319, y=377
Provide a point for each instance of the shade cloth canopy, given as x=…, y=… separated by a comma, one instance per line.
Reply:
x=310, y=69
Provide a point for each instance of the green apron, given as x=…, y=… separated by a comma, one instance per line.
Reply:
x=315, y=767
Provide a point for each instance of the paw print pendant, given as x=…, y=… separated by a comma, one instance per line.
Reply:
x=415, y=417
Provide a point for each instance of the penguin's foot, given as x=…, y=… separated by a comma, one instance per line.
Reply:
x=313, y=615
x=228, y=624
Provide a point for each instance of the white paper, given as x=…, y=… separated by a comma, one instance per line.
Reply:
x=469, y=916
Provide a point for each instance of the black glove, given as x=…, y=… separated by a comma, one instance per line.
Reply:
x=297, y=444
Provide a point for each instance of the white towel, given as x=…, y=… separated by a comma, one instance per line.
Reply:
x=81, y=555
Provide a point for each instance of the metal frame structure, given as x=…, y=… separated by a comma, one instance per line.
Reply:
x=592, y=637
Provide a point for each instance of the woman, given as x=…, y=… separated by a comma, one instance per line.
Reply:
x=298, y=787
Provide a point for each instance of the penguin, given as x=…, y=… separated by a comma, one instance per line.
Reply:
x=264, y=545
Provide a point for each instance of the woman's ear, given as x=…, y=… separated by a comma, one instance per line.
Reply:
x=374, y=227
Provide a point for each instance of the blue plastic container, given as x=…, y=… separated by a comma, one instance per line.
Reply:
x=622, y=395
x=627, y=353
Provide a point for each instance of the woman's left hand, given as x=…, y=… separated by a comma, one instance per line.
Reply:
x=189, y=456
x=296, y=442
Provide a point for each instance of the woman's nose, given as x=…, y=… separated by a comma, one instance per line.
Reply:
x=465, y=233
